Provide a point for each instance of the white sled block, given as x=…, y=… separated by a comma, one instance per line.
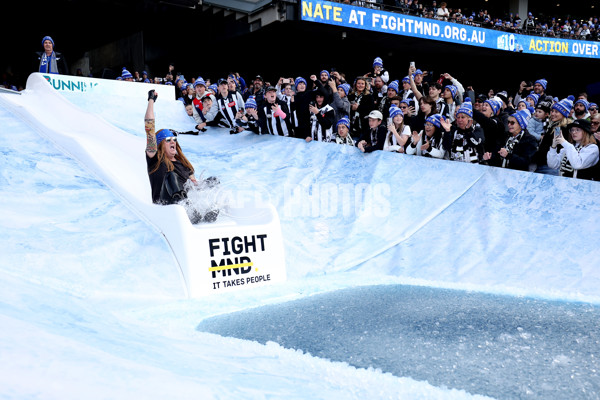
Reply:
x=243, y=249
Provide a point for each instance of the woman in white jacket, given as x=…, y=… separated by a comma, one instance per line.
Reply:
x=398, y=133
x=578, y=155
x=430, y=143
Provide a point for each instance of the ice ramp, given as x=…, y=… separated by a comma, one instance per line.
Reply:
x=243, y=249
x=382, y=214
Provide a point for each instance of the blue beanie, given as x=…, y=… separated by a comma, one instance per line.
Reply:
x=299, y=80
x=418, y=72
x=534, y=97
x=345, y=87
x=465, y=108
x=453, y=89
x=126, y=74
x=47, y=38
x=200, y=81
x=327, y=72
x=522, y=117
x=251, y=103
x=435, y=120
x=593, y=105
x=408, y=102
x=564, y=107
x=585, y=103
x=163, y=134
x=214, y=87
x=378, y=62
x=344, y=121
x=495, y=105
x=542, y=82
x=394, y=111
x=394, y=85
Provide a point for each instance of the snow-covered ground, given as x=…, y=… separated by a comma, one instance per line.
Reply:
x=92, y=303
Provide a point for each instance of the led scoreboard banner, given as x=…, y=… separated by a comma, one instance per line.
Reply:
x=400, y=24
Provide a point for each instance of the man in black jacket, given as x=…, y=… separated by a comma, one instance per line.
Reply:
x=49, y=61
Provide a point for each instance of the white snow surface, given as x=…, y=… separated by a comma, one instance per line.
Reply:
x=92, y=303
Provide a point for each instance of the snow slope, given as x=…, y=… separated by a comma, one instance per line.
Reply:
x=92, y=301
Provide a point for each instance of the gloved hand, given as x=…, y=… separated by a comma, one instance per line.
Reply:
x=152, y=95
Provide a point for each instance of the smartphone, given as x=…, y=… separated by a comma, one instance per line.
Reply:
x=557, y=131
x=412, y=64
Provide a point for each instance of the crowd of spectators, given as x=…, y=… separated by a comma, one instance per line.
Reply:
x=525, y=128
x=579, y=28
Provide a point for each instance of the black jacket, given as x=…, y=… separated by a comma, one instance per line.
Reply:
x=521, y=156
x=61, y=63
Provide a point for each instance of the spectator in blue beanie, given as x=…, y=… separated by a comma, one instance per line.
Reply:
x=49, y=61
x=519, y=148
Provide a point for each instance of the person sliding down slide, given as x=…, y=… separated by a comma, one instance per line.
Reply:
x=169, y=170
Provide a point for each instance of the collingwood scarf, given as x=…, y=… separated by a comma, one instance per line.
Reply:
x=566, y=169
x=510, y=145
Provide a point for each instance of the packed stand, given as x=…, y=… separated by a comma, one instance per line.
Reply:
x=526, y=129
x=580, y=28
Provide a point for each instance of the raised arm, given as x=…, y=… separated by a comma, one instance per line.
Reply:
x=151, y=146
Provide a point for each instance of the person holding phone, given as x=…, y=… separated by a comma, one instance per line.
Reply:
x=578, y=155
x=559, y=117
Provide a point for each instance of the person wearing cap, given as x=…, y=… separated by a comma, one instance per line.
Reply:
x=398, y=132
x=49, y=61
x=322, y=119
x=342, y=135
x=463, y=139
x=230, y=105
x=168, y=168
x=429, y=141
x=518, y=150
x=257, y=91
x=578, y=155
x=374, y=137
x=273, y=115
x=559, y=119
